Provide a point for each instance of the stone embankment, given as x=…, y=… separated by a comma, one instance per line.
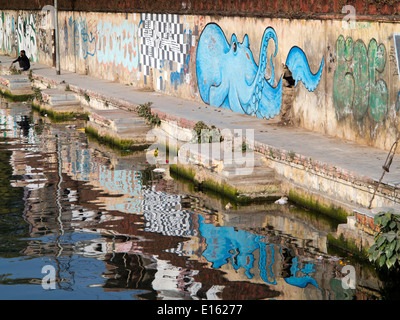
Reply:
x=320, y=172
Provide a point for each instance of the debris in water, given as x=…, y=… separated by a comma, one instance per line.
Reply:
x=283, y=200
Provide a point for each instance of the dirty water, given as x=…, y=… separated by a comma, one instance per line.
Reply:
x=81, y=221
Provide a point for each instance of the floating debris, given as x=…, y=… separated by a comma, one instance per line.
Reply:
x=282, y=201
x=228, y=206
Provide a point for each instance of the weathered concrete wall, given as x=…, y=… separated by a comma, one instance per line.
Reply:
x=29, y=31
x=347, y=79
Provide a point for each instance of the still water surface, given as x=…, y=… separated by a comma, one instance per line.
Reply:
x=109, y=227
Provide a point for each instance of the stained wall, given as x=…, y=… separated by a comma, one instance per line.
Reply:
x=347, y=78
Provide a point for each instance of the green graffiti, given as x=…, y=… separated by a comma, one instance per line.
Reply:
x=357, y=90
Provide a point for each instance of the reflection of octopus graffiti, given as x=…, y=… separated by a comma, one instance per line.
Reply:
x=356, y=87
x=228, y=76
x=242, y=250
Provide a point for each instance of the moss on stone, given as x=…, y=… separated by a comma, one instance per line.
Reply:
x=222, y=189
x=59, y=116
x=115, y=143
x=308, y=202
x=183, y=172
x=346, y=245
x=16, y=98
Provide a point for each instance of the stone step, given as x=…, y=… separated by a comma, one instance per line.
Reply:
x=16, y=84
x=130, y=120
x=137, y=136
x=121, y=124
x=213, y=155
x=133, y=130
x=124, y=124
x=56, y=97
x=262, y=175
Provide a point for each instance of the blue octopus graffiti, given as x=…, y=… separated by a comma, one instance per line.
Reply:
x=228, y=76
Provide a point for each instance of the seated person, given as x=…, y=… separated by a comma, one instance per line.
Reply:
x=23, y=60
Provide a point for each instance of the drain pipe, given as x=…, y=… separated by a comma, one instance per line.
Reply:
x=385, y=167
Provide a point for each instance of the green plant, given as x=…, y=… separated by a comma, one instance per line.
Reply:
x=14, y=70
x=37, y=93
x=205, y=134
x=87, y=98
x=67, y=88
x=144, y=110
x=386, y=249
x=30, y=75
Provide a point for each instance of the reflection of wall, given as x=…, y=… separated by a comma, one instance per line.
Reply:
x=126, y=185
x=287, y=268
x=164, y=214
x=305, y=233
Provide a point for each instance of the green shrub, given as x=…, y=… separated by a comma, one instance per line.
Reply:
x=205, y=134
x=386, y=249
x=144, y=110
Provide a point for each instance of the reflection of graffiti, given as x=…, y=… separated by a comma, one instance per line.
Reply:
x=227, y=245
x=163, y=38
x=356, y=87
x=305, y=279
x=228, y=76
x=118, y=44
x=164, y=215
x=27, y=36
x=85, y=44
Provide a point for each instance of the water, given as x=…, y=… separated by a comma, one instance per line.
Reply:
x=103, y=225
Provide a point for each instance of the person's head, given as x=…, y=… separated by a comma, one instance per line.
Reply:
x=22, y=52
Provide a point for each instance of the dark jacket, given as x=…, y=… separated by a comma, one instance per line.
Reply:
x=24, y=62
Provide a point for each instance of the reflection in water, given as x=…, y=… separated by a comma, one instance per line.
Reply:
x=112, y=228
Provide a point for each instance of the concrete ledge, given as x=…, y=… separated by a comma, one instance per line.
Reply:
x=328, y=175
x=365, y=217
x=17, y=87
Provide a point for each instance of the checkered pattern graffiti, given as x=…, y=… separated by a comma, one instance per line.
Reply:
x=163, y=38
x=164, y=214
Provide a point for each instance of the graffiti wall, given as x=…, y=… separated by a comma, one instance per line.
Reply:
x=363, y=84
x=229, y=77
x=26, y=31
x=342, y=82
